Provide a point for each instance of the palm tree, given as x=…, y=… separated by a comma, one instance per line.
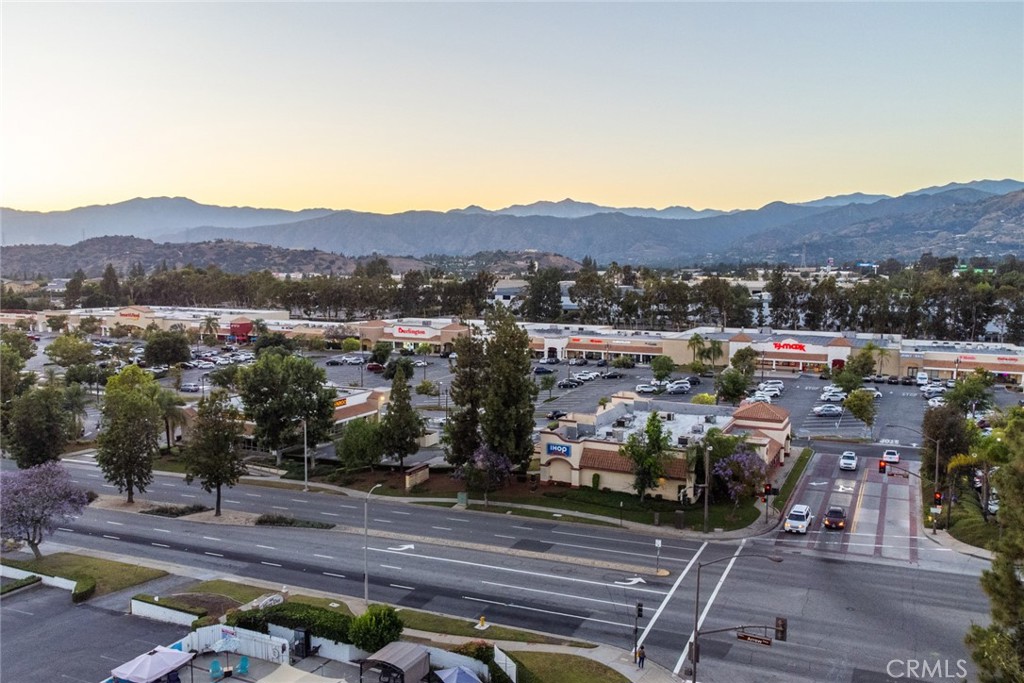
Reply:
x=75, y=397
x=210, y=326
x=696, y=346
x=713, y=351
x=423, y=349
x=170, y=410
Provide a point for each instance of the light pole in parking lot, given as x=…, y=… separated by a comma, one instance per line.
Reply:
x=935, y=482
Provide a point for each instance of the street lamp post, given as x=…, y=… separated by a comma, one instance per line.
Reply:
x=366, y=545
x=695, y=650
x=305, y=458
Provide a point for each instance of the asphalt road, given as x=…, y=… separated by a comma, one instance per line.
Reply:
x=849, y=612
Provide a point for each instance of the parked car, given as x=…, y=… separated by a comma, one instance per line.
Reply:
x=875, y=393
x=556, y=414
x=828, y=411
x=601, y=363
x=892, y=379
x=190, y=387
x=645, y=389
x=799, y=520
x=936, y=402
x=950, y=383
x=541, y=370
x=578, y=361
x=613, y=374
x=569, y=383
x=908, y=381
x=548, y=361
x=848, y=461
x=335, y=361
x=375, y=367
x=835, y=518
x=420, y=363
x=694, y=380
x=353, y=360
x=891, y=455
x=769, y=390
x=834, y=397
x=678, y=389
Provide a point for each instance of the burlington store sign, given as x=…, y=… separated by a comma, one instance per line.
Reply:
x=413, y=332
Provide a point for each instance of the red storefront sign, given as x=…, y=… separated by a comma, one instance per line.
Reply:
x=789, y=346
x=411, y=330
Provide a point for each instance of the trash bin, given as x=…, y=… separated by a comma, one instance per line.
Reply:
x=679, y=519
x=463, y=498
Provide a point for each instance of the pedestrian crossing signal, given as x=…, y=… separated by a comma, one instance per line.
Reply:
x=881, y=467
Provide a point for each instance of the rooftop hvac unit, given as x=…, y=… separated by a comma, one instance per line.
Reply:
x=710, y=419
x=697, y=429
x=619, y=434
x=683, y=441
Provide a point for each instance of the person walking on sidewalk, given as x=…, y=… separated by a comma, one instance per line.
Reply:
x=641, y=655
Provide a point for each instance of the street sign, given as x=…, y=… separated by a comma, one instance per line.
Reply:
x=657, y=543
x=936, y=510
x=750, y=637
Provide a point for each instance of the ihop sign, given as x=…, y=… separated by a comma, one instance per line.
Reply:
x=560, y=449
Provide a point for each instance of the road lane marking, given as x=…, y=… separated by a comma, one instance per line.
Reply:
x=160, y=545
x=210, y=538
x=254, y=495
x=523, y=527
x=504, y=536
x=109, y=486
x=266, y=547
x=233, y=502
x=188, y=495
x=456, y=519
x=546, y=611
x=512, y=570
x=271, y=564
x=60, y=528
x=323, y=557
x=348, y=507
x=442, y=528
x=619, y=552
x=668, y=596
x=338, y=576
x=707, y=606
x=278, y=507
x=399, y=512
x=561, y=595
x=172, y=486
x=397, y=585
x=11, y=609
x=116, y=523
x=214, y=554
x=331, y=514
x=296, y=500
x=113, y=538
x=162, y=531
x=385, y=521
x=860, y=499
x=391, y=566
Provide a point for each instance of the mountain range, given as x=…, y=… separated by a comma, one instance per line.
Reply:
x=966, y=219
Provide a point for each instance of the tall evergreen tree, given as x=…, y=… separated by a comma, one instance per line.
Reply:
x=402, y=425
x=507, y=421
x=462, y=433
x=647, y=450
x=38, y=428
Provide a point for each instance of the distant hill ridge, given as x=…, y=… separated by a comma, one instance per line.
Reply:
x=670, y=236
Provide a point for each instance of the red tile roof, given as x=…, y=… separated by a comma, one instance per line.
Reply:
x=761, y=412
x=611, y=461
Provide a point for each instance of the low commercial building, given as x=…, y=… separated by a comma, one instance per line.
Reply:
x=584, y=449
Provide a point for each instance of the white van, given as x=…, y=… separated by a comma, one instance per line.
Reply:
x=922, y=379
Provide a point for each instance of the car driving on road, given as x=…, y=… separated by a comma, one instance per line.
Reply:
x=891, y=455
x=799, y=520
x=848, y=461
x=835, y=518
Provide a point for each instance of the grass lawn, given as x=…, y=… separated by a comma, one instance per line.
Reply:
x=967, y=524
x=437, y=623
x=109, y=576
x=549, y=667
x=786, y=490
x=326, y=603
x=539, y=514
x=238, y=592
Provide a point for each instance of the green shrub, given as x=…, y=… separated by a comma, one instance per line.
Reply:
x=595, y=481
x=477, y=649
x=321, y=622
x=375, y=628
x=203, y=621
x=175, y=510
x=83, y=590
x=282, y=520
x=428, y=388
x=20, y=583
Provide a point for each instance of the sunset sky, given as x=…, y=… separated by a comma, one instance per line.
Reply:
x=391, y=107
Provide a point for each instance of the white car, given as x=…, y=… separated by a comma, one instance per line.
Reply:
x=799, y=520
x=891, y=455
x=848, y=461
x=420, y=363
x=645, y=389
x=875, y=393
x=775, y=384
x=769, y=390
x=585, y=376
x=760, y=397
x=835, y=397
x=936, y=402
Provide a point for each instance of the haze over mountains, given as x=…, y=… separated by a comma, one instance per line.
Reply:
x=967, y=219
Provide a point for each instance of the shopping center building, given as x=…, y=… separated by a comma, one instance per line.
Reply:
x=777, y=350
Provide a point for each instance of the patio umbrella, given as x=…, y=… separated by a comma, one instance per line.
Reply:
x=226, y=645
x=459, y=674
x=152, y=665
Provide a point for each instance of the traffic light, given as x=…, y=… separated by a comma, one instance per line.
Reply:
x=767, y=490
x=639, y=610
x=781, y=626
x=881, y=467
x=937, y=497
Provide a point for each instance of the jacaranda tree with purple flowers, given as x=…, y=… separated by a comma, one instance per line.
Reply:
x=743, y=473
x=486, y=471
x=35, y=501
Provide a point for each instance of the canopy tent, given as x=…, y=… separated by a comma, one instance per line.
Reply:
x=289, y=674
x=459, y=674
x=412, y=661
x=152, y=665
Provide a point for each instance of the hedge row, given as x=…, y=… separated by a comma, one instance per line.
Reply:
x=282, y=520
x=20, y=583
x=323, y=623
x=83, y=590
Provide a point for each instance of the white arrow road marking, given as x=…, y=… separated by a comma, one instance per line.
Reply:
x=816, y=483
x=409, y=546
x=631, y=582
